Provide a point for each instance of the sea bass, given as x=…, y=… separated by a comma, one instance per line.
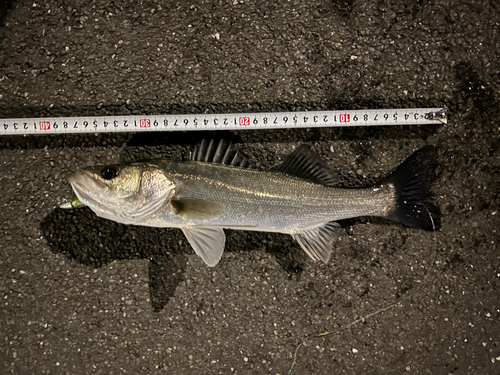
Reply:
x=212, y=191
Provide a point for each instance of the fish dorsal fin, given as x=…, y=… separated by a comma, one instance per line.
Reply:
x=304, y=163
x=220, y=152
x=207, y=242
x=318, y=242
x=197, y=208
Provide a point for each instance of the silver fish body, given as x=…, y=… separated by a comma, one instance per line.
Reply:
x=298, y=197
x=262, y=200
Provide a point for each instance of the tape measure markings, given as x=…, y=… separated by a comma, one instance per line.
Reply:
x=235, y=121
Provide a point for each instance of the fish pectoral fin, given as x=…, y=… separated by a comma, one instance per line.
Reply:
x=207, y=242
x=318, y=242
x=197, y=208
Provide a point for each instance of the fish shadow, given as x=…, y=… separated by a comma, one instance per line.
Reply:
x=287, y=253
x=94, y=242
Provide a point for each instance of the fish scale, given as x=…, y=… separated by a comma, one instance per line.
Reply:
x=266, y=201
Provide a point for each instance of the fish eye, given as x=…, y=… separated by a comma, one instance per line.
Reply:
x=108, y=173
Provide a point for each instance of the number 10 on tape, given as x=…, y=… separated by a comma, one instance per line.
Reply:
x=271, y=120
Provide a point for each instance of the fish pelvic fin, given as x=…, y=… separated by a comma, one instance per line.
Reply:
x=207, y=242
x=306, y=164
x=411, y=181
x=318, y=242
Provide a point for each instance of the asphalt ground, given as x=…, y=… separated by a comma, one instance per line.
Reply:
x=81, y=295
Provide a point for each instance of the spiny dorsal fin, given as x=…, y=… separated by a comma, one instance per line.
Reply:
x=304, y=163
x=220, y=152
x=318, y=242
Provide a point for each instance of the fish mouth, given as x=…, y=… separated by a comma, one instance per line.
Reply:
x=89, y=190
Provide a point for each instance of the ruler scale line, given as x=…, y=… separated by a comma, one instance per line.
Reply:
x=230, y=121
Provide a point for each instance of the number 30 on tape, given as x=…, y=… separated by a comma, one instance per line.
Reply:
x=278, y=120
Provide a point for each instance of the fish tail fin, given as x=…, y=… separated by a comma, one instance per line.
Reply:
x=411, y=181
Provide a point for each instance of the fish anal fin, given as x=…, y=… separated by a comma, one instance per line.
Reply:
x=197, y=208
x=207, y=242
x=306, y=164
x=317, y=242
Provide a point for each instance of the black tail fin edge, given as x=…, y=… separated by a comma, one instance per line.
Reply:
x=411, y=181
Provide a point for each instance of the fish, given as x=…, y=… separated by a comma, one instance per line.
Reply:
x=213, y=191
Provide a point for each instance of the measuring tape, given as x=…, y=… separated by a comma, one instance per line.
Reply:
x=235, y=121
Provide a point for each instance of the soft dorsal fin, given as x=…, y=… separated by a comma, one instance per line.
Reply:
x=318, y=242
x=220, y=152
x=304, y=163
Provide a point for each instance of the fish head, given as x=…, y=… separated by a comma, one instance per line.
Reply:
x=126, y=193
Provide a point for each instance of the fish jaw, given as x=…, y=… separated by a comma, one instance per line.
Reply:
x=87, y=189
x=90, y=192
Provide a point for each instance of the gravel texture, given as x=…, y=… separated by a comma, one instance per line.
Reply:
x=81, y=295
